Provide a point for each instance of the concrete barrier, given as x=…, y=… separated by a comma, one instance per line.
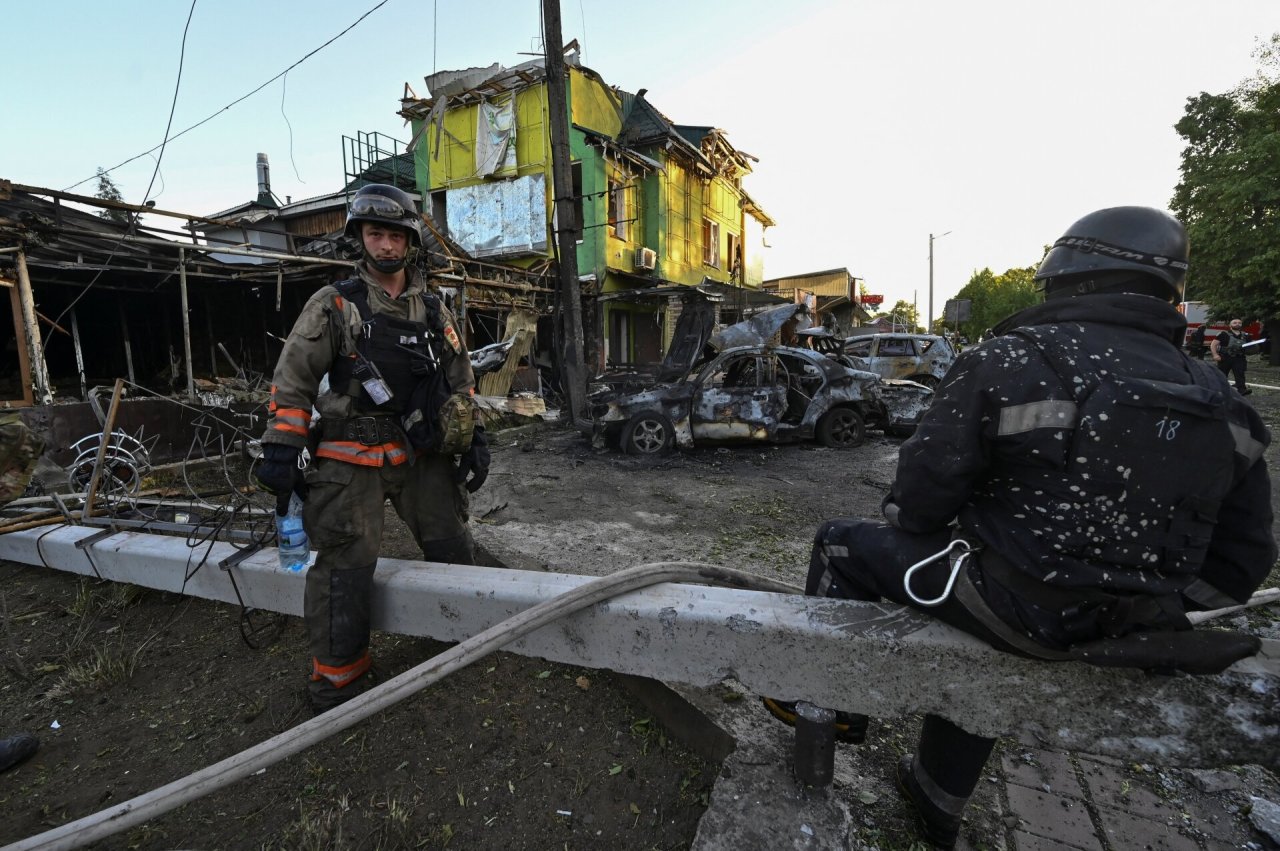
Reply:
x=883, y=660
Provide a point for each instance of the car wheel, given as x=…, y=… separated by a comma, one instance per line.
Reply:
x=930, y=381
x=648, y=433
x=842, y=428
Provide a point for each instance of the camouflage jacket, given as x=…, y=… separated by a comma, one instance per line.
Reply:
x=326, y=330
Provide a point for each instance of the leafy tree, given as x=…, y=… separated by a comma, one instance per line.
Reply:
x=994, y=297
x=1229, y=193
x=108, y=191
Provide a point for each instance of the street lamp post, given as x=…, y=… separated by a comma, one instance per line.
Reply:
x=928, y=321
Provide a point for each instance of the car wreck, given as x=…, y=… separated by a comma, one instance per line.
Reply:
x=736, y=386
x=922, y=358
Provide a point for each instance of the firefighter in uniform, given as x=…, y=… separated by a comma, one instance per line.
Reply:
x=397, y=413
x=1083, y=481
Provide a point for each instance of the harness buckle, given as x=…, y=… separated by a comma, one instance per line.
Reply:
x=365, y=430
x=957, y=562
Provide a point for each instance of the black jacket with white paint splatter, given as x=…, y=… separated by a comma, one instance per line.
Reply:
x=1000, y=451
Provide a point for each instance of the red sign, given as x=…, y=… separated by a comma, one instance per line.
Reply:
x=873, y=300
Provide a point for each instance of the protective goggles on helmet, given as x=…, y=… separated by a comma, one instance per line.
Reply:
x=379, y=207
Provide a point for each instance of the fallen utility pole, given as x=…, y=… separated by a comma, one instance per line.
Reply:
x=822, y=650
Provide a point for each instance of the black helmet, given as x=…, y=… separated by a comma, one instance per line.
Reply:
x=1144, y=240
x=387, y=205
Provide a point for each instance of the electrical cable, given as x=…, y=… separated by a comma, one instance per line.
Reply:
x=122, y=816
x=284, y=85
x=239, y=99
x=182, y=54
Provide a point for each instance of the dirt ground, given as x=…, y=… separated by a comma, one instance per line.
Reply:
x=130, y=689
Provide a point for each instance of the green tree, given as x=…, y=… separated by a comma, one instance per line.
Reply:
x=1229, y=193
x=108, y=191
x=994, y=297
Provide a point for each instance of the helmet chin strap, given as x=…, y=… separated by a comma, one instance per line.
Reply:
x=387, y=267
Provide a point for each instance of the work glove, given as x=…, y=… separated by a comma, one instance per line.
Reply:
x=279, y=472
x=474, y=462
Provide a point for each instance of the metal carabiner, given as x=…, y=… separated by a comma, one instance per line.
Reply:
x=951, y=581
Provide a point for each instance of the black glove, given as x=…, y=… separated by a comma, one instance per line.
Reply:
x=475, y=462
x=279, y=471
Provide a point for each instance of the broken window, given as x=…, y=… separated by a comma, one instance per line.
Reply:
x=735, y=255
x=440, y=209
x=859, y=349
x=617, y=208
x=711, y=243
x=896, y=348
x=744, y=371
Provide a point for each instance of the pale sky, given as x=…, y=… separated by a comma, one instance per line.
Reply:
x=875, y=123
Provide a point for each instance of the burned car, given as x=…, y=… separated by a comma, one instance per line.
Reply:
x=735, y=386
x=922, y=358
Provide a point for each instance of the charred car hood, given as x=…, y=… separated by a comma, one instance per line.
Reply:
x=693, y=340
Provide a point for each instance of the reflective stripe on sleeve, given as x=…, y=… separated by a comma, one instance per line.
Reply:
x=292, y=421
x=1246, y=444
x=1050, y=413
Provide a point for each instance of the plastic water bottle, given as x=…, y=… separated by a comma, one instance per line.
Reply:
x=291, y=537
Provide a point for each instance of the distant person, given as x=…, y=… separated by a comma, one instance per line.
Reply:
x=1104, y=482
x=1195, y=343
x=1228, y=353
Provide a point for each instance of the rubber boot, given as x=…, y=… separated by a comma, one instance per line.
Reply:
x=17, y=748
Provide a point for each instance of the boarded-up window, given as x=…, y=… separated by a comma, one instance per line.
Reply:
x=506, y=218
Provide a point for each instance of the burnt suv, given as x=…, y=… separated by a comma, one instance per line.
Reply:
x=923, y=358
x=736, y=386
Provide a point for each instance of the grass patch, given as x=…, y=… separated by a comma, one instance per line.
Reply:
x=104, y=667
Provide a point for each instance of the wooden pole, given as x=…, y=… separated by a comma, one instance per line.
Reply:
x=186, y=322
x=108, y=427
x=24, y=357
x=39, y=376
x=128, y=346
x=48, y=521
x=75, y=342
x=572, y=369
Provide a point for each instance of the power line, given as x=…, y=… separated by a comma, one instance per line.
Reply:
x=173, y=105
x=241, y=98
x=182, y=58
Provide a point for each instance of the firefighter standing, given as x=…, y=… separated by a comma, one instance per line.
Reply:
x=1228, y=353
x=1106, y=482
x=397, y=413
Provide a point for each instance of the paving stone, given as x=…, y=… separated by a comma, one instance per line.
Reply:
x=1213, y=781
x=1051, y=768
x=1113, y=787
x=1127, y=830
x=1052, y=816
x=1023, y=841
x=1105, y=760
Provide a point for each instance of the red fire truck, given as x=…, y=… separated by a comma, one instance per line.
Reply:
x=1197, y=313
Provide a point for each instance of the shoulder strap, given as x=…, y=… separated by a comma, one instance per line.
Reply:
x=353, y=290
x=434, y=316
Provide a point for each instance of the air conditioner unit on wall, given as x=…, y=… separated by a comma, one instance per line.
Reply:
x=646, y=258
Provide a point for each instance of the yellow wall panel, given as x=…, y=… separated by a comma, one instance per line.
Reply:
x=594, y=105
